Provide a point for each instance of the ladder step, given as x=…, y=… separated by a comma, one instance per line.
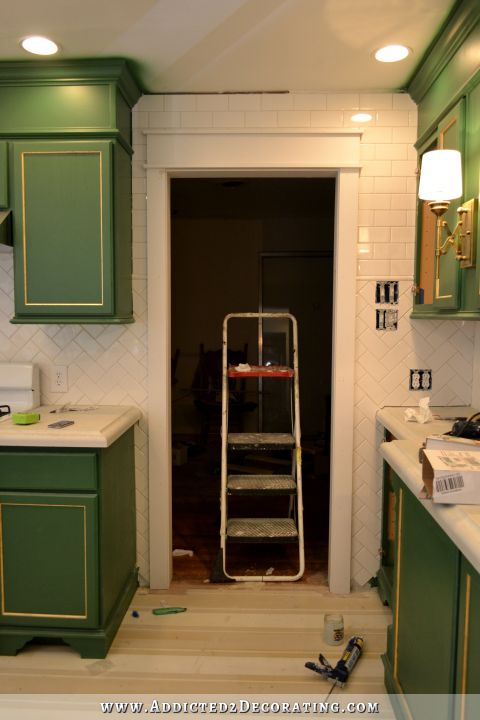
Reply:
x=276, y=371
x=261, y=484
x=260, y=441
x=262, y=530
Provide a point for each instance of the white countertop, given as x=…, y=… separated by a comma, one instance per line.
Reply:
x=96, y=427
x=460, y=522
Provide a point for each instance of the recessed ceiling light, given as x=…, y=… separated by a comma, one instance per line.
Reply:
x=392, y=53
x=39, y=45
x=361, y=117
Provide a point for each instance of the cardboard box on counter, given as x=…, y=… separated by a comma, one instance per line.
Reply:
x=452, y=476
x=450, y=442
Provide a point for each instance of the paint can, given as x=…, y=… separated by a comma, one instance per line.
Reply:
x=333, y=631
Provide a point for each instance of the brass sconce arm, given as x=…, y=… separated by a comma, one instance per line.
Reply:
x=461, y=236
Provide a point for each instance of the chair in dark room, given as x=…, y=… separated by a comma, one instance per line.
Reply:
x=207, y=393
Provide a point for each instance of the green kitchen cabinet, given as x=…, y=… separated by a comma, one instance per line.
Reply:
x=65, y=173
x=421, y=642
x=468, y=656
x=67, y=545
x=437, y=276
x=3, y=174
x=71, y=231
x=446, y=88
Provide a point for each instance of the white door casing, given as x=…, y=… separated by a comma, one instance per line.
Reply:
x=251, y=153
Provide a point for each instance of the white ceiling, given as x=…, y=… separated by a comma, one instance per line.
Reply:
x=235, y=45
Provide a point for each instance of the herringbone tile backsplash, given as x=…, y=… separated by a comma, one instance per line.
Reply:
x=107, y=364
x=383, y=361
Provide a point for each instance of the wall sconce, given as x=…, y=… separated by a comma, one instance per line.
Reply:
x=441, y=182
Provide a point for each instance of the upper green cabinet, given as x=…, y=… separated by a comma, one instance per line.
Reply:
x=438, y=276
x=66, y=253
x=446, y=88
x=3, y=175
x=66, y=175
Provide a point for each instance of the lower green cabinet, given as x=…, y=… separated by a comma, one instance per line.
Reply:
x=67, y=555
x=468, y=654
x=432, y=644
x=3, y=174
x=49, y=560
x=425, y=601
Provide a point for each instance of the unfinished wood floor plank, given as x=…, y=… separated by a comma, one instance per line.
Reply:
x=239, y=638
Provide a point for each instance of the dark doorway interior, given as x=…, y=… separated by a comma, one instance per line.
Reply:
x=243, y=245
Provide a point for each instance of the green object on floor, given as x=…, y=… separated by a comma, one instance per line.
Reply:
x=168, y=610
x=25, y=418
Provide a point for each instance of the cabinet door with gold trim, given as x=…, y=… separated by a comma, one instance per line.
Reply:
x=425, y=608
x=48, y=560
x=62, y=211
x=447, y=268
x=468, y=655
x=3, y=174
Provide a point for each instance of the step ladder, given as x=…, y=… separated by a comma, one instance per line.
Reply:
x=262, y=487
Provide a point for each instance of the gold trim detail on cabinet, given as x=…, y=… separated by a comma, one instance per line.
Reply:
x=437, y=283
x=24, y=228
x=397, y=582
x=466, y=628
x=10, y=613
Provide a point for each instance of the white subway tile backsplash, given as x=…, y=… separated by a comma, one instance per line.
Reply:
x=245, y=101
x=404, y=167
x=404, y=201
x=280, y=101
x=393, y=151
x=404, y=135
x=389, y=250
x=366, y=217
x=376, y=101
x=164, y=119
x=401, y=267
x=376, y=168
x=368, y=201
x=196, y=119
x=390, y=218
x=293, y=118
x=180, y=103
x=373, y=268
x=309, y=101
x=261, y=119
x=212, y=103
x=390, y=185
x=367, y=151
x=343, y=101
x=393, y=118
x=377, y=135
x=366, y=185
x=374, y=234
x=403, y=234
x=327, y=118
x=228, y=119
x=364, y=251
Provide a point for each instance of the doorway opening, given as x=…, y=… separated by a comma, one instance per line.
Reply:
x=248, y=245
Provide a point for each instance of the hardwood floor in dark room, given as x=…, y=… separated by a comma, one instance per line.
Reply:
x=196, y=521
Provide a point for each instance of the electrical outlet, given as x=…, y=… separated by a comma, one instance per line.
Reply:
x=59, y=382
x=420, y=379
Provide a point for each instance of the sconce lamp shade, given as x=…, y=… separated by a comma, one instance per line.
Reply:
x=441, y=175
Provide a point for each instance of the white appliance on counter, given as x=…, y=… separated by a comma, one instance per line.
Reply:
x=19, y=387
